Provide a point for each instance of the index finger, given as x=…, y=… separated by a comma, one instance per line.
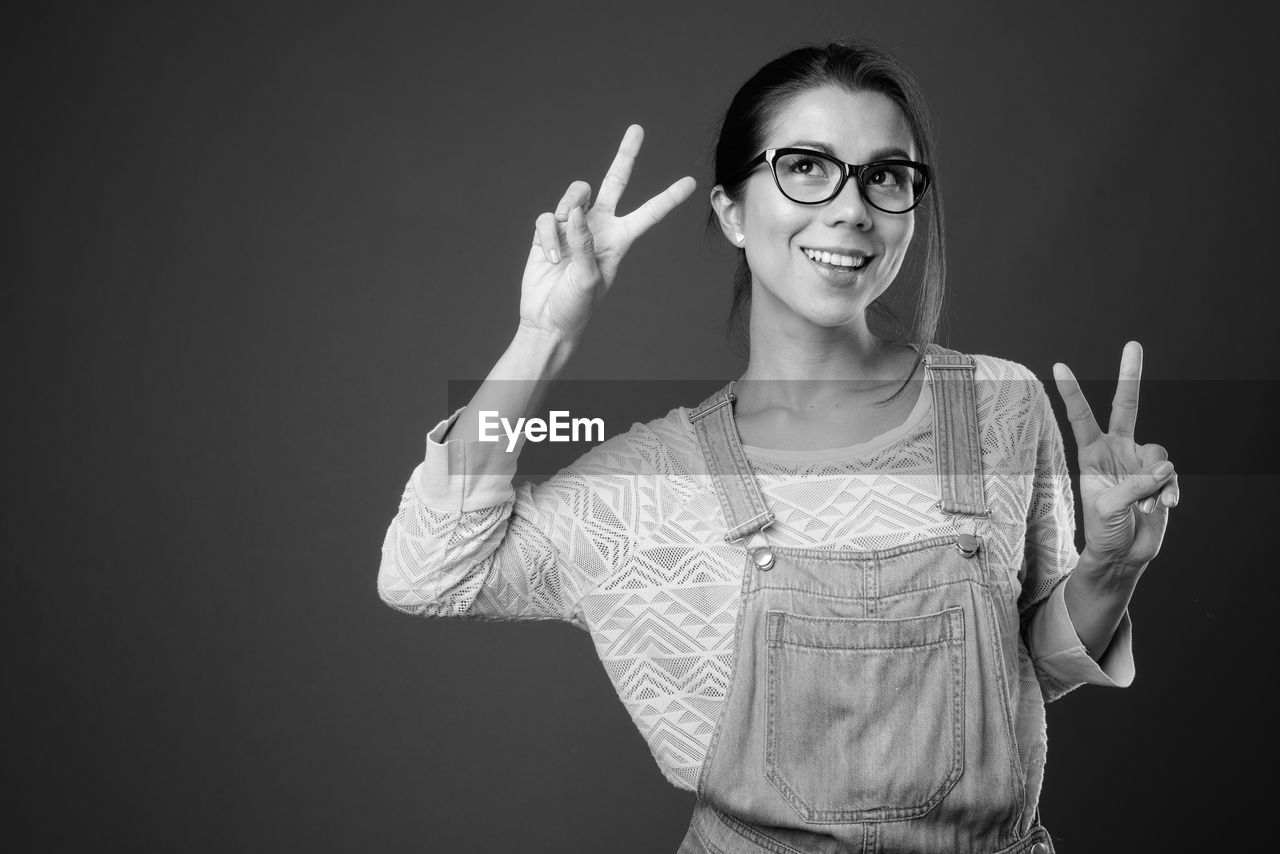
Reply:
x=615, y=180
x=1083, y=425
x=651, y=212
x=1124, y=407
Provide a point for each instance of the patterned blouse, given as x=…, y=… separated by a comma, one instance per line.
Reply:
x=627, y=544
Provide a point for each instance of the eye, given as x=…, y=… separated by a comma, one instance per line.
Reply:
x=806, y=167
x=888, y=176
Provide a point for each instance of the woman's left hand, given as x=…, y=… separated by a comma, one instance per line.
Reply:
x=1126, y=489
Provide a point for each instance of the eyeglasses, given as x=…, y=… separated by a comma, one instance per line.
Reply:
x=813, y=178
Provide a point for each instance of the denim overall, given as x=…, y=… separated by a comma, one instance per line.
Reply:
x=869, y=707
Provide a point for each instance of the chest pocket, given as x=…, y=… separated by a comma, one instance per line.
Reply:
x=865, y=717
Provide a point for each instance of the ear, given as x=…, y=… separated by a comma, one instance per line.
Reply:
x=729, y=213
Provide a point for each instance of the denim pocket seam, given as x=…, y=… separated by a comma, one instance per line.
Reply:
x=947, y=625
x=753, y=835
x=812, y=815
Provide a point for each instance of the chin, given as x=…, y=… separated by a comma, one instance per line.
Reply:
x=832, y=318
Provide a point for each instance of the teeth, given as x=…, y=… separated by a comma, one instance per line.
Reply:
x=836, y=259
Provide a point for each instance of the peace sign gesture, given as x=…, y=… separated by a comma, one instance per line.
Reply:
x=557, y=295
x=1126, y=489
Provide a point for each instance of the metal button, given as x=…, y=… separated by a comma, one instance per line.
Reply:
x=762, y=558
x=968, y=546
x=1039, y=848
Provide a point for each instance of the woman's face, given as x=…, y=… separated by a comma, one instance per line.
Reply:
x=790, y=290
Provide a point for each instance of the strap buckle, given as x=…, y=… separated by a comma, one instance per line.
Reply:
x=730, y=537
x=703, y=413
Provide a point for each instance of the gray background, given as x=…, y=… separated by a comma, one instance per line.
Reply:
x=251, y=245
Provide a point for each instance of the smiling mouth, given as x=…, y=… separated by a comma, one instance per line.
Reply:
x=837, y=261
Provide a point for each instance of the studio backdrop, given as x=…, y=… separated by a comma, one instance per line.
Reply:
x=257, y=251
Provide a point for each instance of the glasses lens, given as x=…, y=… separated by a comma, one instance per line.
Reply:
x=892, y=187
x=807, y=177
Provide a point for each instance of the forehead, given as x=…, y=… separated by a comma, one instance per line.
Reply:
x=852, y=123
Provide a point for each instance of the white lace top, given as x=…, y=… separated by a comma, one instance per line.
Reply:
x=627, y=543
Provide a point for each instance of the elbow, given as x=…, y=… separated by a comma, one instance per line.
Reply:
x=404, y=576
x=426, y=592
x=395, y=588
x=386, y=592
x=421, y=576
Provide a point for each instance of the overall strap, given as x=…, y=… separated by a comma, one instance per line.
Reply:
x=731, y=475
x=957, y=442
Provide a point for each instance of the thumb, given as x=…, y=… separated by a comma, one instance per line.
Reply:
x=1146, y=483
x=582, y=245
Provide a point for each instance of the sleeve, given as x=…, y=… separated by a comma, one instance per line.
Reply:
x=1059, y=657
x=466, y=543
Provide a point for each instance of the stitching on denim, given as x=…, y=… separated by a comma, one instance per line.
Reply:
x=742, y=466
x=846, y=555
x=974, y=445
x=1025, y=843
x=707, y=843
x=748, y=505
x=828, y=650
x=956, y=436
x=711, y=453
x=883, y=597
x=871, y=588
x=958, y=721
x=741, y=497
x=780, y=620
x=942, y=437
x=995, y=645
x=754, y=836
x=956, y=657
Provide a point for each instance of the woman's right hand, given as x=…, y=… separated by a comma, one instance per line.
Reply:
x=577, y=249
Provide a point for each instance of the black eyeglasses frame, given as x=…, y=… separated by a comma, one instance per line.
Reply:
x=771, y=156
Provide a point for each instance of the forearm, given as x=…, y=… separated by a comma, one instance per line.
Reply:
x=1097, y=595
x=516, y=385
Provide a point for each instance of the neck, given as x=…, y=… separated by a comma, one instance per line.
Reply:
x=803, y=367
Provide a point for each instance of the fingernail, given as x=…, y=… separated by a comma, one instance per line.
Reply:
x=1170, y=499
x=1163, y=469
x=1145, y=505
x=555, y=256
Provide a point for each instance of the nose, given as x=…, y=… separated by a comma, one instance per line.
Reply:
x=849, y=208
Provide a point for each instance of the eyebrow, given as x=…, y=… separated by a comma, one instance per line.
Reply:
x=879, y=154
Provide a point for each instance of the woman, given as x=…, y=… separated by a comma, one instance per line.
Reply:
x=836, y=595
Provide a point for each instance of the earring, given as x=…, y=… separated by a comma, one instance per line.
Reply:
x=740, y=237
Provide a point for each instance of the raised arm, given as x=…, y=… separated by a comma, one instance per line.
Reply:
x=1126, y=492
x=572, y=264
x=463, y=542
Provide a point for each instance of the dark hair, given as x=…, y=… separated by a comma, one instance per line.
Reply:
x=857, y=66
